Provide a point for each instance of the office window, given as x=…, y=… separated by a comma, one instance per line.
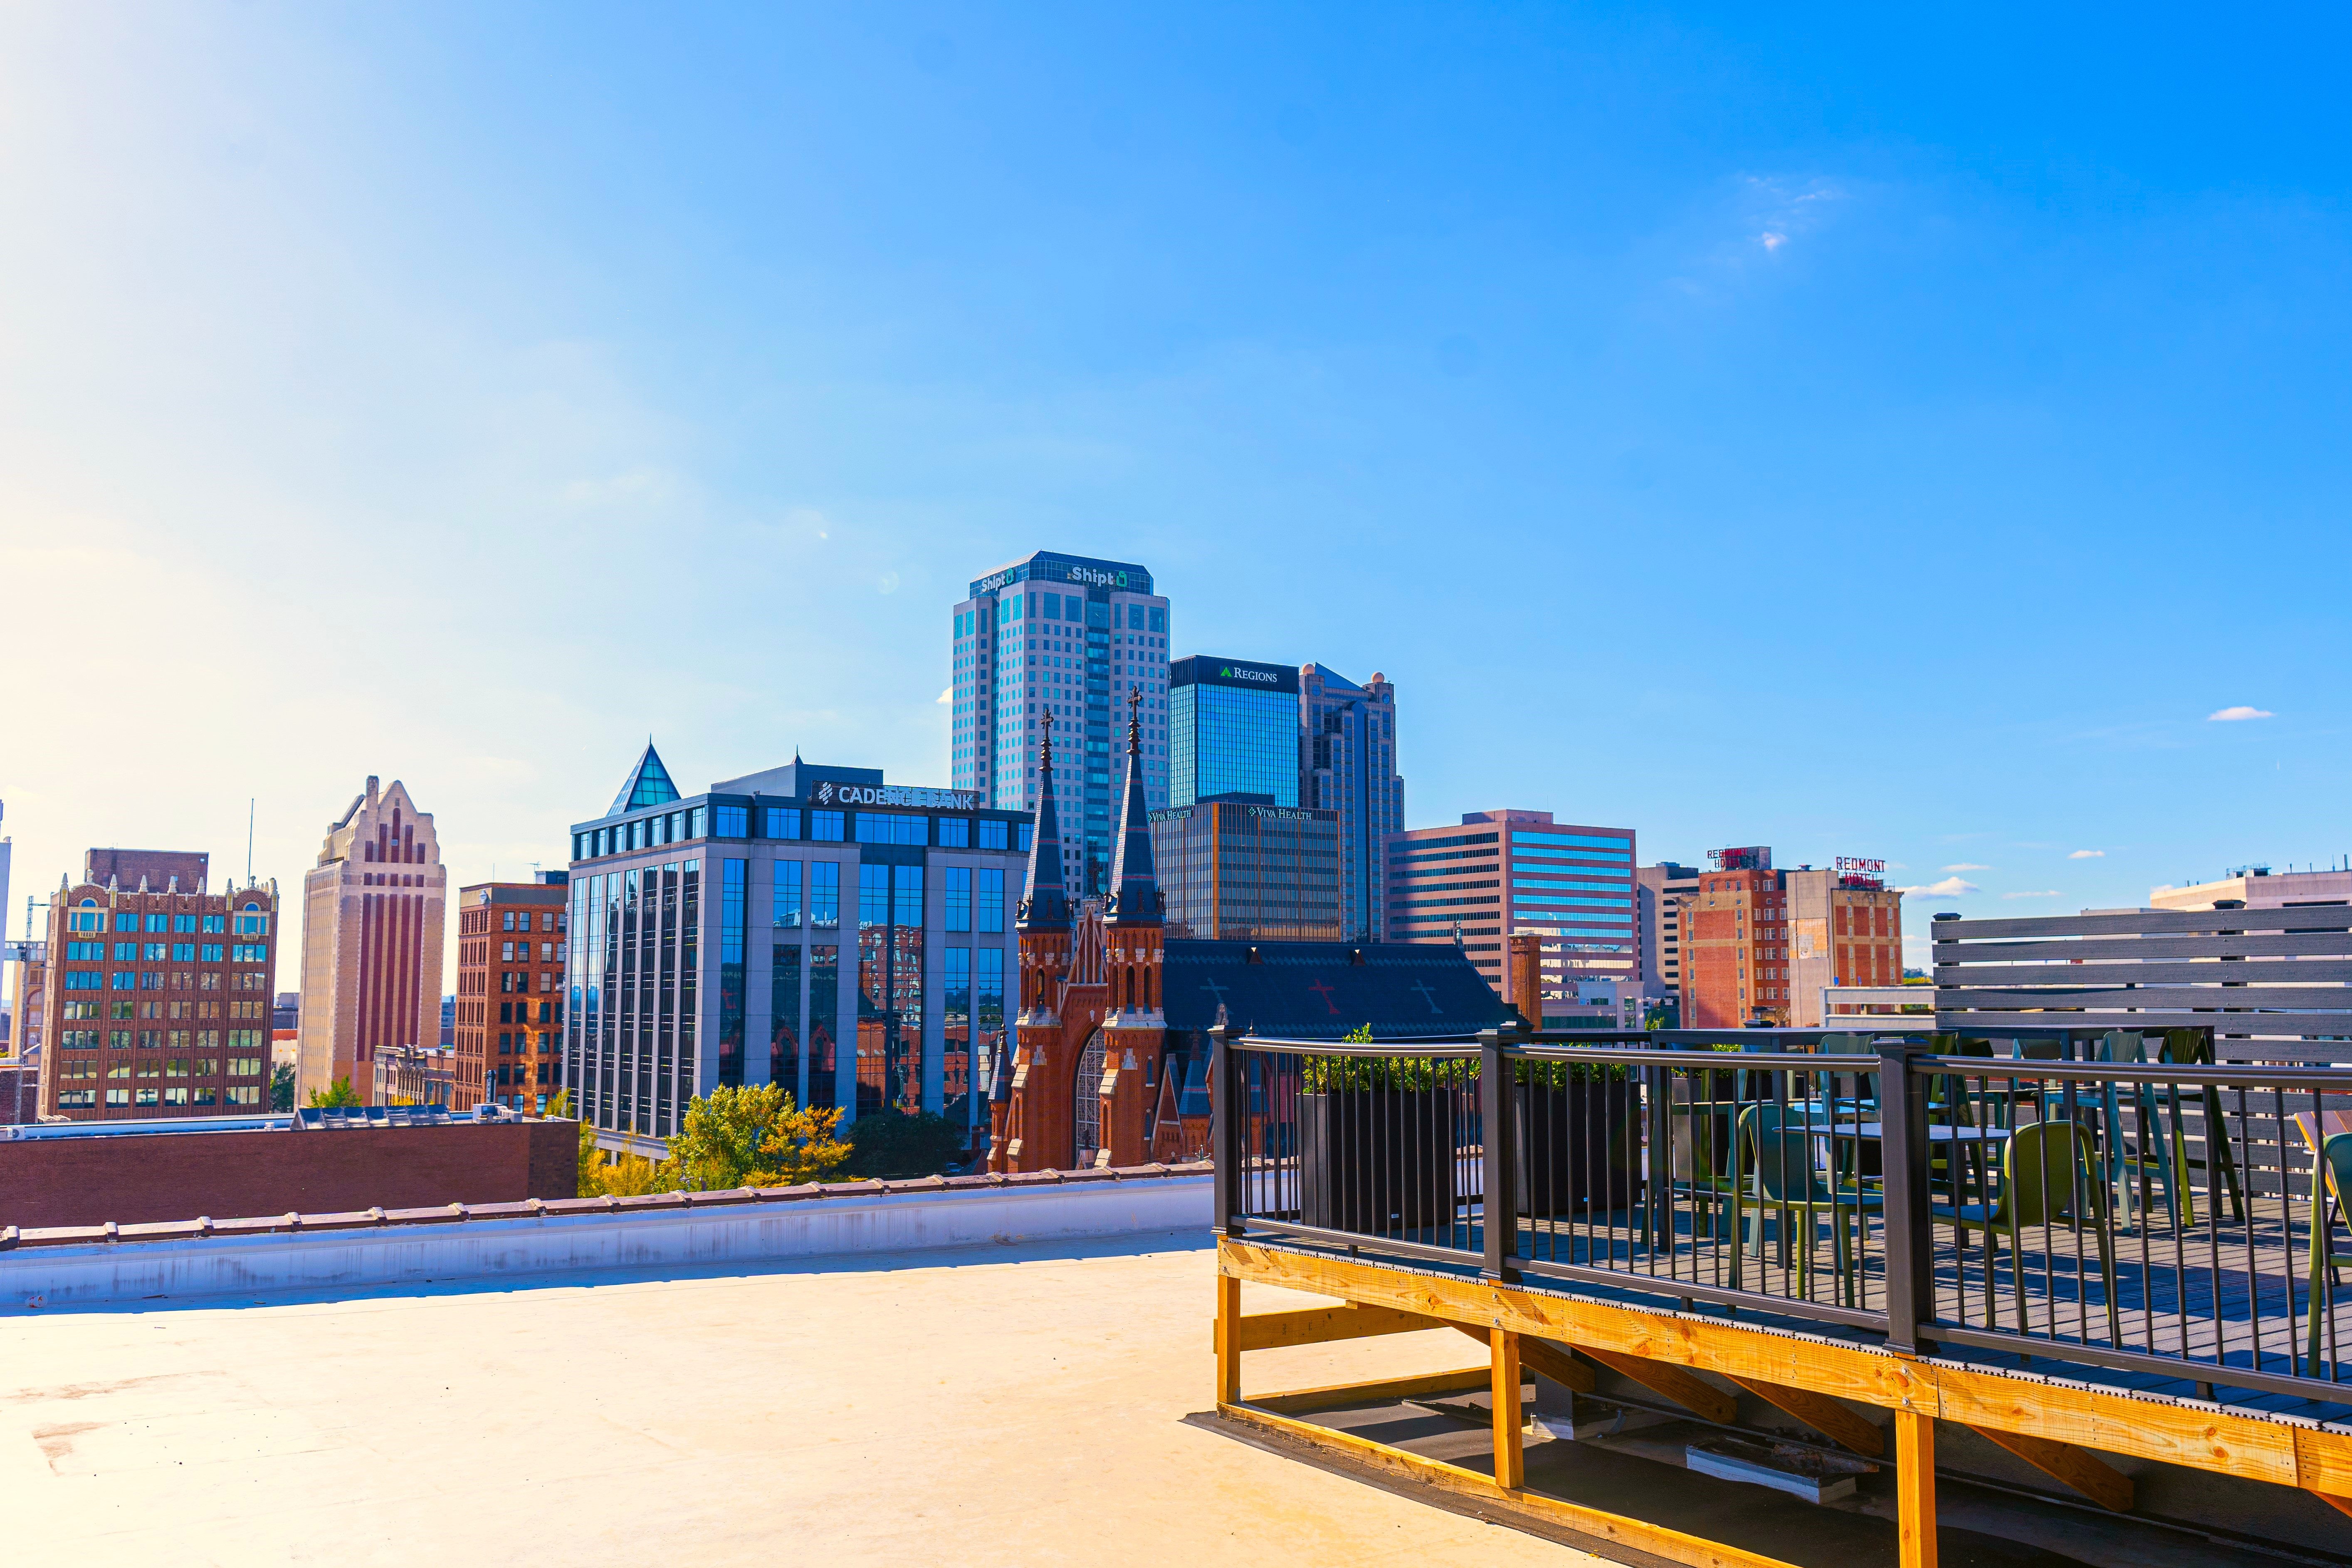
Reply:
x=126, y=922
x=730, y=821
x=159, y=922
x=783, y=821
x=784, y=1014
x=215, y=952
x=183, y=924
x=892, y=827
x=823, y=895
x=955, y=832
x=958, y=897
x=183, y=953
x=994, y=833
x=991, y=899
x=955, y=1064
x=826, y=826
x=785, y=902
x=823, y=1024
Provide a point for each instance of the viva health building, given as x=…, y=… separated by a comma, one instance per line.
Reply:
x=1060, y=642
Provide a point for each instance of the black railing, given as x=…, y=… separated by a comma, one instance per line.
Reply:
x=2112, y=1200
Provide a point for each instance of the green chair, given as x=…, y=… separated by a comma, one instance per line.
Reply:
x=2331, y=1178
x=2049, y=1171
x=1782, y=1181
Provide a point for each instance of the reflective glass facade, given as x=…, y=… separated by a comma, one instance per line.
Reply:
x=1233, y=729
x=1238, y=872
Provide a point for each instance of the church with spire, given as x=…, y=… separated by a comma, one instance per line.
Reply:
x=1110, y=1047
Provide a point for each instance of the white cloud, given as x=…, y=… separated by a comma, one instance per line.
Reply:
x=947, y=694
x=2231, y=715
x=2088, y=855
x=2044, y=893
x=1949, y=887
x=1968, y=866
x=1772, y=241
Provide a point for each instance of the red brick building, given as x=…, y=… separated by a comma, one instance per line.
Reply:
x=512, y=941
x=157, y=992
x=1761, y=943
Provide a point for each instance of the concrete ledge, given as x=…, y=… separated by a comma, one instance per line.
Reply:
x=111, y=1265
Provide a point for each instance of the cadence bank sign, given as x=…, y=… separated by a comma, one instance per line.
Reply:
x=830, y=794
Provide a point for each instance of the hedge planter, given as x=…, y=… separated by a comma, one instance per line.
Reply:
x=1578, y=1146
x=1376, y=1162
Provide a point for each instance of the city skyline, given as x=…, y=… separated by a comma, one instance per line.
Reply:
x=338, y=370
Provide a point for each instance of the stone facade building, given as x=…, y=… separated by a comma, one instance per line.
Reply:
x=372, y=915
x=157, y=992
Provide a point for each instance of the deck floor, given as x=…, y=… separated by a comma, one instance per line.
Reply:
x=2213, y=1299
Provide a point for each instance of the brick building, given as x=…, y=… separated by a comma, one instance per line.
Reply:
x=373, y=910
x=1112, y=1041
x=156, y=993
x=512, y=949
x=1761, y=943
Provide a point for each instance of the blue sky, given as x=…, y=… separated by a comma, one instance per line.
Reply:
x=1856, y=433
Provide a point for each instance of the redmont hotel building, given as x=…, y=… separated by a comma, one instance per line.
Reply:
x=1505, y=872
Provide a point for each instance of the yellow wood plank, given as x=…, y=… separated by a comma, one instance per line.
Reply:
x=1229, y=1340
x=1510, y=1459
x=2086, y=1473
x=2340, y=1504
x=1914, y=1489
x=2323, y=1461
x=1820, y=1411
x=1701, y=1399
x=1641, y=1535
x=2193, y=1435
x=1299, y=1400
x=1868, y=1377
x=1319, y=1325
x=1552, y=1360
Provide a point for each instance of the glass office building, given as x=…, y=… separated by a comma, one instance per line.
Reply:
x=809, y=926
x=1233, y=728
x=1241, y=871
x=1060, y=641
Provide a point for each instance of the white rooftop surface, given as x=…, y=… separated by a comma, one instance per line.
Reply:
x=1006, y=1405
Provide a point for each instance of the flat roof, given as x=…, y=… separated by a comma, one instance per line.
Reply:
x=998, y=1404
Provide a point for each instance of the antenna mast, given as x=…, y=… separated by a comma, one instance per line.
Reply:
x=248, y=840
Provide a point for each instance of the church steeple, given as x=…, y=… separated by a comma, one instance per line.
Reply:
x=1134, y=898
x=1045, y=896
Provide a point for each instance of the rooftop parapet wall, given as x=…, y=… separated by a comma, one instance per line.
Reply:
x=91, y=1266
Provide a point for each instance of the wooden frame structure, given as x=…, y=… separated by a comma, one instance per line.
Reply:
x=2058, y=1426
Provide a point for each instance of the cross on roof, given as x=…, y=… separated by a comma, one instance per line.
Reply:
x=1427, y=996
x=1215, y=990
x=1323, y=987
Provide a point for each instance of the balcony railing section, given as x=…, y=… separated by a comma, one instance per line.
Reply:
x=2112, y=1199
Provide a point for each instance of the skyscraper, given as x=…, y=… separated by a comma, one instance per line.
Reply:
x=373, y=914
x=1058, y=640
x=1232, y=731
x=1347, y=763
x=1504, y=873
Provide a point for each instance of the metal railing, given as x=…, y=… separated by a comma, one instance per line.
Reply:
x=2048, y=1194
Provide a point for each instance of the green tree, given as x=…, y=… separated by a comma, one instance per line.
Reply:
x=281, y=1088
x=893, y=1146
x=754, y=1136
x=592, y=1158
x=339, y=1092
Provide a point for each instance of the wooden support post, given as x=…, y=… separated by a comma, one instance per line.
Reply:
x=1539, y=1355
x=1701, y=1399
x=2083, y=1471
x=1914, y=1487
x=1229, y=1340
x=1510, y=1455
x=1820, y=1411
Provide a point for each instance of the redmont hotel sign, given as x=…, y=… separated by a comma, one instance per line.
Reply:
x=828, y=792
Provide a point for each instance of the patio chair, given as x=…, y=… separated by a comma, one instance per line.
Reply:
x=2331, y=1178
x=2050, y=1171
x=1782, y=1181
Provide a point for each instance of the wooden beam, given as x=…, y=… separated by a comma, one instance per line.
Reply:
x=1510, y=1459
x=2093, y=1477
x=1319, y=1325
x=1229, y=1341
x=2195, y=1435
x=1534, y=1507
x=1300, y=1401
x=2340, y=1504
x=1702, y=1400
x=1914, y=1489
x=1552, y=1360
x=1820, y=1411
